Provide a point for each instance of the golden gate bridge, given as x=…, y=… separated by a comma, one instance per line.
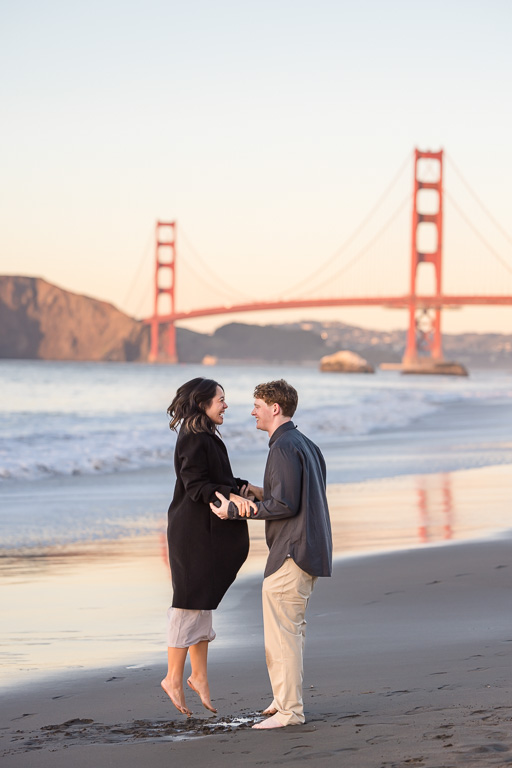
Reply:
x=423, y=351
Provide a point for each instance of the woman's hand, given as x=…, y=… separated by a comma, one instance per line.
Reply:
x=222, y=510
x=244, y=505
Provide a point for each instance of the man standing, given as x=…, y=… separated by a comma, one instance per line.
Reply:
x=293, y=504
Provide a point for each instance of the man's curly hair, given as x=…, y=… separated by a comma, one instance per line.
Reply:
x=279, y=392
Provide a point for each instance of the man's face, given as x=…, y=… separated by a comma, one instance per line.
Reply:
x=263, y=414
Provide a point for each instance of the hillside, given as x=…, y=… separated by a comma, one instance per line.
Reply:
x=475, y=350
x=38, y=320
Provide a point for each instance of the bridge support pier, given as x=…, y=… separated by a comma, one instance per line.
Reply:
x=165, y=270
x=424, y=351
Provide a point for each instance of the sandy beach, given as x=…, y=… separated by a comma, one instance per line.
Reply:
x=407, y=663
x=407, y=655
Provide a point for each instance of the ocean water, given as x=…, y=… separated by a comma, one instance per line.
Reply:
x=91, y=418
x=75, y=434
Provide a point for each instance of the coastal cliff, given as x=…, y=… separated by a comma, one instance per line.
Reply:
x=38, y=320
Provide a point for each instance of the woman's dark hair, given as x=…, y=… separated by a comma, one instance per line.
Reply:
x=189, y=405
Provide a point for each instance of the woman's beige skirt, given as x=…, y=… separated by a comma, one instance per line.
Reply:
x=186, y=628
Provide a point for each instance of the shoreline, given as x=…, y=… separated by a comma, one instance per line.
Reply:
x=86, y=583
x=248, y=581
x=407, y=662
x=143, y=498
x=476, y=436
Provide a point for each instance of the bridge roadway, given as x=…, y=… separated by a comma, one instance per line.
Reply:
x=393, y=302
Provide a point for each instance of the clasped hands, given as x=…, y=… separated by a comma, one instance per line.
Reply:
x=244, y=503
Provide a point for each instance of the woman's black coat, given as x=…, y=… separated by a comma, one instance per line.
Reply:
x=205, y=553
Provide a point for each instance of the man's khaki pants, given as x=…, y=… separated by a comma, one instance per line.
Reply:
x=285, y=598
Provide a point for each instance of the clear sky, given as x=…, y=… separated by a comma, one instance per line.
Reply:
x=268, y=130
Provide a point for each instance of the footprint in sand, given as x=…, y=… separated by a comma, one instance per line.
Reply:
x=26, y=714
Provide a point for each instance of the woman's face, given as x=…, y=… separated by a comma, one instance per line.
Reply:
x=215, y=411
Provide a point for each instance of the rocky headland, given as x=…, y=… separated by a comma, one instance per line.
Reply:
x=39, y=320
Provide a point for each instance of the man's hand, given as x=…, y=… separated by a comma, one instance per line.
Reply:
x=245, y=492
x=221, y=511
x=245, y=506
x=252, y=490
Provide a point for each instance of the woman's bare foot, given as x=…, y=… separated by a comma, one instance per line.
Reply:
x=271, y=722
x=203, y=694
x=177, y=697
x=269, y=711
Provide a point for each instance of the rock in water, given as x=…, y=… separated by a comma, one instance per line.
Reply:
x=345, y=362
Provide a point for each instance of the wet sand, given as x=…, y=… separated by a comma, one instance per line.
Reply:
x=407, y=655
x=407, y=663
x=91, y=604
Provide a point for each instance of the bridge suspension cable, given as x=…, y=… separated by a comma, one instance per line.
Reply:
x=482, y=239
x=367, y=247
x=143, y=296
x=339, y=251
x=496, y=223
x=136, y=277
x=225, y=288
x=206, y=282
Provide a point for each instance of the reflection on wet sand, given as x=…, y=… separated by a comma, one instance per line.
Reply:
x=408, y=511
x=103, y=603
x=427, y=507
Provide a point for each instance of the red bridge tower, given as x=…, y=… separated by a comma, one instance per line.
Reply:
x=165, y=285
x=424, y=336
